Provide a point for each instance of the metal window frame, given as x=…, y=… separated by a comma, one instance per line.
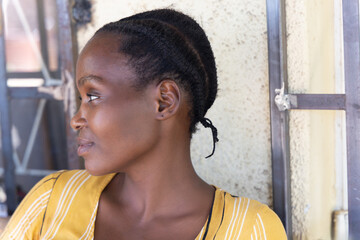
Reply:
x=279, y=120
x=349, y=102
x=6, y=138
x=66, y=92
x=352, y=91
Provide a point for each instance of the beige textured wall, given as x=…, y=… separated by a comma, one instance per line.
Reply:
x=237, y=31
x=310, y=31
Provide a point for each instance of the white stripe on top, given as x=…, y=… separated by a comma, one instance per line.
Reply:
x=247, y=207
x=91, y=223
x=242, y=223
x=62, y=199
x=33, y=207
x=255, y=232
x=201, y=234
x=33, y=219
x=233, y=219
x=262, y=225
x=68, y=206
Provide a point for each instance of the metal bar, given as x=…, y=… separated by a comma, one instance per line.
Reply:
x=42, y=32
x=33, y=133
x=30, y=172
x=6, y=138
x=55, y=123
x=352, y=91
x=279, y=120
x=55, y=92
x=55, y=74
x=16, y=159
x=68, y=52
x=34, y=172
x=318, y=101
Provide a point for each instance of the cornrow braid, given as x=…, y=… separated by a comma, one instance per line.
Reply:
x=192, y=32
x=167, y=44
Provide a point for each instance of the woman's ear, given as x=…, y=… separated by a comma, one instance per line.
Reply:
x=168, y=99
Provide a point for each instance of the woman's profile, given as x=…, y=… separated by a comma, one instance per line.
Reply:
x=145, y=83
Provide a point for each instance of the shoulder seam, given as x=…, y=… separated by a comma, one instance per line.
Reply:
x=58, y=174
x=55, y=178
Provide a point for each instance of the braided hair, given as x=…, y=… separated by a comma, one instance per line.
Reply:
x=164, y=44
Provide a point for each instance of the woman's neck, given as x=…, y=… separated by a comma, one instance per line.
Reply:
x=160, y=184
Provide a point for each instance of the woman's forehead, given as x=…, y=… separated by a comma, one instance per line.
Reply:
x=100, y=57
x=103, y=49
x=105, y=43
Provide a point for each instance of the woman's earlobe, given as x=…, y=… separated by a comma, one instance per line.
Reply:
x=168, y=96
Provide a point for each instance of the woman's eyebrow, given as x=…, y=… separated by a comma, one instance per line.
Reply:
x=89, y=78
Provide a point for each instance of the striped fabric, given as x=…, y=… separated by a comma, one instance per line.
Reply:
x=241, y=218
x=64, y=205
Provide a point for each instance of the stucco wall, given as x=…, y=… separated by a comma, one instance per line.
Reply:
x=310, y=31
x=237, y=32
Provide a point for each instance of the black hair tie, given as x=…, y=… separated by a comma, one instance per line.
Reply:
x=208, y=124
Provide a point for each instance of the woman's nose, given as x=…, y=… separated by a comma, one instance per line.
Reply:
x=78, y=121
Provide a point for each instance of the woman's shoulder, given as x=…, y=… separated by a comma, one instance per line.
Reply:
x=240, y=217
x=60, y=190
x=78, y=182
x=45, y=184
x=61, y=179
x=249, y=206
x=73, y=178
x=26, y=220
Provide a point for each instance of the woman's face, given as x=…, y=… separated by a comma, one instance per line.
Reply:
x=116, y=123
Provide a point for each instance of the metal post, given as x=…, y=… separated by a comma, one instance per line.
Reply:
x=352, y=90
x=279, y=120
x=42, y=33
x=68, y=52
x=6, y=138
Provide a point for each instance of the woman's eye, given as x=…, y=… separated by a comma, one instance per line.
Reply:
x=92, y=97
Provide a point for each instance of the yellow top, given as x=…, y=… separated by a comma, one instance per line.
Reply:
x=63, y=205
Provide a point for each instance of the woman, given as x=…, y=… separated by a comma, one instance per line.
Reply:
x=145, y=82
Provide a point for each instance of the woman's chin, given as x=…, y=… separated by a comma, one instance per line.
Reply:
x=94, y=170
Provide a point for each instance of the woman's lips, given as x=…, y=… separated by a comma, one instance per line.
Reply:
x=84, y=146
